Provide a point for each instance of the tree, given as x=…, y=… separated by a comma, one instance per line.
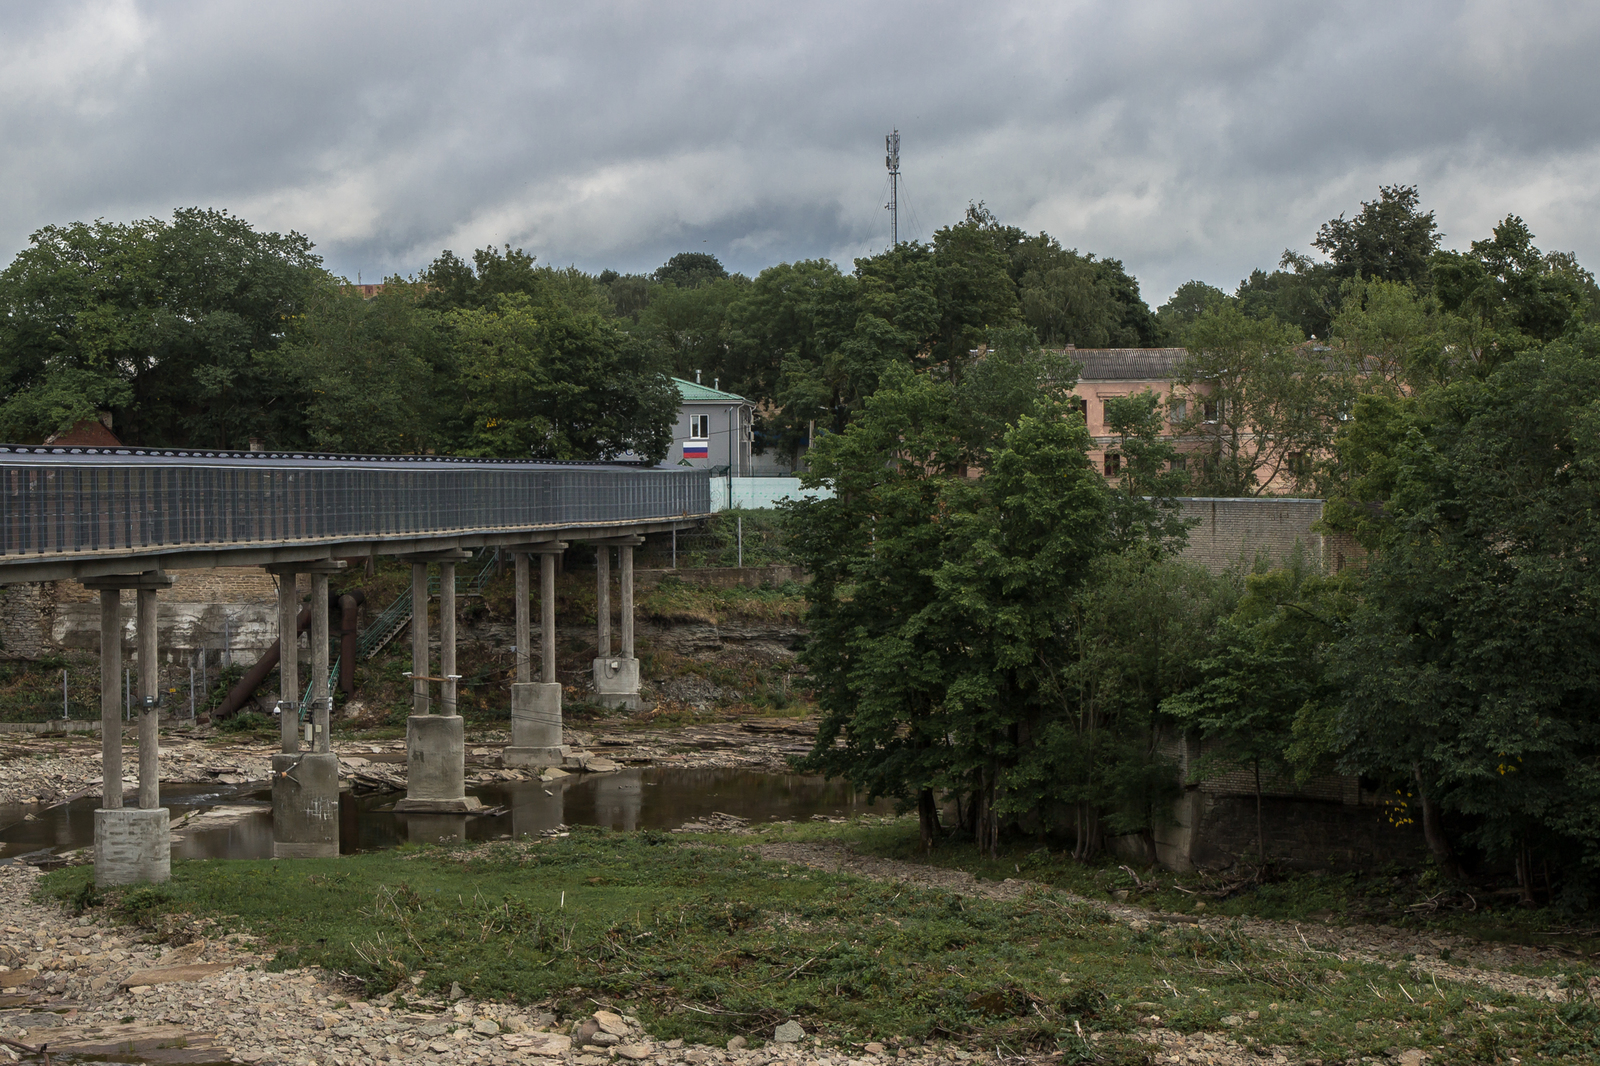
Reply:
x=691, y=327
x=935, y=596
x=1468, y=674
x=1191, y=300
x=167, y=323
x=1261, y=404
x=1391, y=238
x=1144, y=513
x=1138, y=625
x=372, y=370
x=688, y=270
x=551, y=383
x=1269, y=664
x=972, y=287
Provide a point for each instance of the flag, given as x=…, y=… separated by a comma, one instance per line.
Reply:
x=695, y=449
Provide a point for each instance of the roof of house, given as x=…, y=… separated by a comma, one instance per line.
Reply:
x=1128, y=364
x=690, y=392
x=86, y=433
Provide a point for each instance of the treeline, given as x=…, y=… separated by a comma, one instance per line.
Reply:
x=1027, y=642
x=201, y=331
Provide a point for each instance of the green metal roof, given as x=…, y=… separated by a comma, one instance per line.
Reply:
x=689, y=391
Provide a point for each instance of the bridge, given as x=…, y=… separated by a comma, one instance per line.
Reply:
x=117, y=519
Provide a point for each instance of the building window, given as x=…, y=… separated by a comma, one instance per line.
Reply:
x=1113, y=464
x=1299, y=464
x=1080, y=405
x=1179, y=462
x=1210, y=409
x=1177, y=411
x=699, y=427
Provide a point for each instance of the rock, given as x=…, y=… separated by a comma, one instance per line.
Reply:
x=485, y=1027
x=161, y=975
x=1413, y=1057
x=15, y=978
x=635, y=1052
x=789, y=1033
x=874, y=1048
x=585, y=1033
x=1232, y=1019
x=605, y=1040
x=456, y=991
x=738, y=1043
x=539, y=1043
x=611, y=1023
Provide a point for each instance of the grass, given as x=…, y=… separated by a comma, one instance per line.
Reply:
x=702, y=939
x=676, y=600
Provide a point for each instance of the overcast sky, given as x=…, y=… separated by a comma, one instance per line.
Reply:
x=1189, y=140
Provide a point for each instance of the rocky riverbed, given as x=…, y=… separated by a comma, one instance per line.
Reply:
x=47, y=770
x=88, y=989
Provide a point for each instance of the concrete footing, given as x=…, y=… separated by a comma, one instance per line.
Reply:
x=132, y=844
x=535, y=727
x=305, y=806
x=436, y=765
x=616, y=682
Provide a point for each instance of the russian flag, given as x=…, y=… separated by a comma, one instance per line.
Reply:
x=696, y=449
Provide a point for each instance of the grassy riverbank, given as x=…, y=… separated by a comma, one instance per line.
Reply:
x=702, y=939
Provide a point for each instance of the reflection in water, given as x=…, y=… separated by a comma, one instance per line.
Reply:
x=648, y=798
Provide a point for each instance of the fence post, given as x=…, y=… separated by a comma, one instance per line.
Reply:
x=66, y=711
x=739, y=525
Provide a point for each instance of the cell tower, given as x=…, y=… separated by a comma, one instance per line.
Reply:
x=891, y=160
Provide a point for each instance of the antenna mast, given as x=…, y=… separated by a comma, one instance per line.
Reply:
x=891, y=160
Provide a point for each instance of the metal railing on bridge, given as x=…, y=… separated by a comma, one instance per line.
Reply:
x=74, y=501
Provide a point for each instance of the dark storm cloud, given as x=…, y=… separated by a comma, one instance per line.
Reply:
x=1187, y=140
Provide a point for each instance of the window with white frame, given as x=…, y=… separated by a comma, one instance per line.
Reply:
x=699, y=427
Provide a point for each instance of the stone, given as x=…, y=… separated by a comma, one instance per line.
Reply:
x=161, y=975
x=636, y=1052
x=874, y=1048
x=605, y=1040
x=789, y=1033
x=539, y=1043
x=456, y=991
x=738, y=1043
x=1413, y=1057
x=485, y=1027
x=611, y=1023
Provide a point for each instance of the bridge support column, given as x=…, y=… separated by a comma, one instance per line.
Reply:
x=130, y=844
x=305, y=784
x=616, y=678
x=436, y=747
x=536, y=708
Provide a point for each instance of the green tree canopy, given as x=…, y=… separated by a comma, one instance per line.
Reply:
x=166, y=323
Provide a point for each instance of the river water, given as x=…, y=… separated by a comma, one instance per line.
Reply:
x=236, y=823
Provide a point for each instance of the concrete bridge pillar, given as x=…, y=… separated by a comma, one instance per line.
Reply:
x=536, y=707
x=616, y=677
x=305, y=783
x=130, y=845
x=435, y=743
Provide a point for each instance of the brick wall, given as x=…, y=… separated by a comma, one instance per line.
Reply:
x=230, y=612
x=1305, y=834
x=27, y=614
x=1234, y=532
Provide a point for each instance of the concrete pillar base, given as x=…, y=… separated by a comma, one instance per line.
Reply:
x=305, y=806
x=616, y=682
x=132, y=845
x=535, y=716
x=532, y=758
x=435, y=828
x=436, y=765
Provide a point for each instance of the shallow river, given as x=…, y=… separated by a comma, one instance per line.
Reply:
x=240, y=820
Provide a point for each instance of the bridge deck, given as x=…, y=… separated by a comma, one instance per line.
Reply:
x=81, y=512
